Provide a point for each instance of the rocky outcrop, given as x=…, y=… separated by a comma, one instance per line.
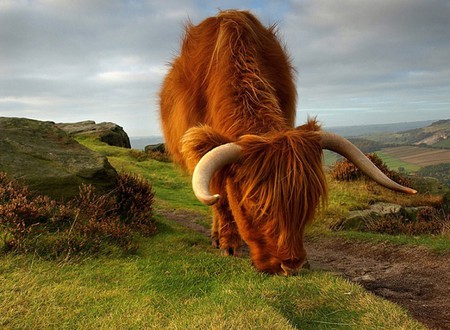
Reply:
x=360, y=219
x=435, y=138
x=110, y=133
x=48, y=160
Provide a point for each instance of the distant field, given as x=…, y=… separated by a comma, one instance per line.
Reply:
x=417, y=155
x=395, y=163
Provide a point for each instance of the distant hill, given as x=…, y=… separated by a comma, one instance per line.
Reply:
x=354, y=131
x=437, y=135
x=411, y=149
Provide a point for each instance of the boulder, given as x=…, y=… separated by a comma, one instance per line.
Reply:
x=48, y=160
x=160, y=147
x=157, y=152
x=110, y=133
x=360, y=219
x=357, y=220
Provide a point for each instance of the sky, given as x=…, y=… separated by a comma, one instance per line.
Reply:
x=358, y=62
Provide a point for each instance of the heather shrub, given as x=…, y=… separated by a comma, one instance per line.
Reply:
x=83, y=225
x=139, y=155
x=20, y=214
x=428, y=220
x=159, y=156
x=344, y=171
x=134, y=201
x=347, y=171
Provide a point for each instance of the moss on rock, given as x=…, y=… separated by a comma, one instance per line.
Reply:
x=48, y=160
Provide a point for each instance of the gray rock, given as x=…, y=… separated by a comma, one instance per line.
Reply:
x=360, y=219
x=110, y=133
x=160, y=147
x=48, y=160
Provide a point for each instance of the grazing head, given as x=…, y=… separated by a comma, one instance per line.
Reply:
x=273, y=187
x=275, y=192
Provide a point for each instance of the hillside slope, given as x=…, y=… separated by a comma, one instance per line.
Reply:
x=436, y=135
x=361, y=130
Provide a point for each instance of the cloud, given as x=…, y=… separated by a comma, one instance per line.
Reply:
x=105, y=60
x=370, y=55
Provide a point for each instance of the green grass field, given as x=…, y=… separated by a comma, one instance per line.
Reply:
x=178, y=281
x=395, y=163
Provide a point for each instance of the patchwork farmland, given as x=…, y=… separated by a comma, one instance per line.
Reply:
x=418, y=155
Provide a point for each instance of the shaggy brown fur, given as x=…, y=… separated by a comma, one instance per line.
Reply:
x=233, y=83
x=233, y=75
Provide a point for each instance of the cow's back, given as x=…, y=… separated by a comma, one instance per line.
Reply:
x=233, y=75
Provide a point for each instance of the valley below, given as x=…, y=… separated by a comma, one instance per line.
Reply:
x=418, y=155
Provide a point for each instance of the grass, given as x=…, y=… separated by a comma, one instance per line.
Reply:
x=395, y=163
x=172, y=186
x=437, y=244
x=178, y=281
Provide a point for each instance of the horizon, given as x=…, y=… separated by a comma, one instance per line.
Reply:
x=331, y=127
x=357, y=63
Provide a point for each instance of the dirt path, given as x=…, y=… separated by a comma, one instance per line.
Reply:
x=411, y=277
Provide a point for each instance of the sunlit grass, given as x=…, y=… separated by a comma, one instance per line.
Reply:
x=172, y=186
x=179, y=282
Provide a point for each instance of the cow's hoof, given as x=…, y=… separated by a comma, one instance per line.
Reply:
x=231, y=251
x=215, y=242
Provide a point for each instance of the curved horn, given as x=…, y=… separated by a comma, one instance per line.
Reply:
x=347, y=149
x=208, y=165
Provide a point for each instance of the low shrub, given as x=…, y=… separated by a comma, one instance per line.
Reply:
x=134, y=201
x=428, y=220
x=83, y=225
x=440, y=171
x=159, y=156
x=344, y=170
x=139, y=155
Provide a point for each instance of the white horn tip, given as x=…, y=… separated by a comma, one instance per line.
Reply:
x=411, y=191
x=209, y=200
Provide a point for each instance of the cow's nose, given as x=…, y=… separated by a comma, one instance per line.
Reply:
x=288, y=271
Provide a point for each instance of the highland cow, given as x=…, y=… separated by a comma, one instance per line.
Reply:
x=228, y=109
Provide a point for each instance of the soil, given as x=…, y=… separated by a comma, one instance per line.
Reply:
x=409, y=276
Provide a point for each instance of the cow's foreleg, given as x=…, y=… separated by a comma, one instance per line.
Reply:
x=224, y=232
